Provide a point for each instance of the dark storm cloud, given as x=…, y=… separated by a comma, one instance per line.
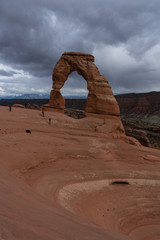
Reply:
x=34, y=34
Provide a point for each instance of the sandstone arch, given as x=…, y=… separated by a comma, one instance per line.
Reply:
x=100, y=98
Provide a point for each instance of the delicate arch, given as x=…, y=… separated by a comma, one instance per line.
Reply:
x=100, y=98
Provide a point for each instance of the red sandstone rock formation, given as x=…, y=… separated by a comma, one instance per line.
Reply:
x=18, y=105
x=100, y=98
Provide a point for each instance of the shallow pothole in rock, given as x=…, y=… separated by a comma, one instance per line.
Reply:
x=120, y=183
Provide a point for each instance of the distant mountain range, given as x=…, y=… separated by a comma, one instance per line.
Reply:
x=39, y=96
x=27, y=96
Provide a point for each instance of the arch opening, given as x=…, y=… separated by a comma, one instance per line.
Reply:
x=75, y=93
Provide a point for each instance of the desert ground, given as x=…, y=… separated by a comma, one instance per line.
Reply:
x=76, y=179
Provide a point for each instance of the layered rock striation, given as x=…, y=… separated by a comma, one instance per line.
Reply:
x=100, y=98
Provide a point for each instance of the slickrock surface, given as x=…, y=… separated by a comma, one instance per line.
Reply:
x=100, y=98
x=68, y=180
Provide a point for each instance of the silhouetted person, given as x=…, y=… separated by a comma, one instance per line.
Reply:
x=10, y=108
x=42, y=113
x=49, y=121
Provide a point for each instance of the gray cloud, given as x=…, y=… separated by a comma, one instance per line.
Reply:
x=6, y=73
x=123, y=35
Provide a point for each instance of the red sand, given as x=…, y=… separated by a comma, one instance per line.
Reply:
x=55, y=183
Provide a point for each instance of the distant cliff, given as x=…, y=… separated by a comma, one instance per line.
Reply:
x=139, y=103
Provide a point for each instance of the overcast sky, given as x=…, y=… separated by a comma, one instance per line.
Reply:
x=123, y=35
